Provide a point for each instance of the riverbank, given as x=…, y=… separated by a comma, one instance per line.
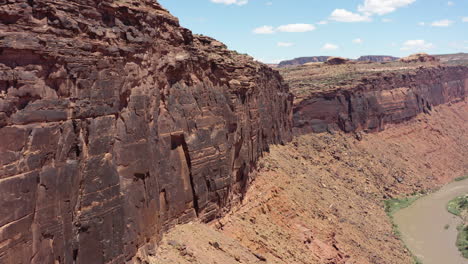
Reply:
x=396, y=204
x=429, y=230
x=459, y=207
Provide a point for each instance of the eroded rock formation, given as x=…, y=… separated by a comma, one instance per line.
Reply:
x=386, y=98
x=420, y=57
x=116, y=123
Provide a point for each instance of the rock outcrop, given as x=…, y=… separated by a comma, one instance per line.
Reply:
x=302, y=61
x=116, y=123
x=377, y=58
x=419, y=57
x=387, y=98
x=337, y=61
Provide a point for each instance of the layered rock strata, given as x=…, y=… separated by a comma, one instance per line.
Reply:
x=116, y=123
x=386, y=98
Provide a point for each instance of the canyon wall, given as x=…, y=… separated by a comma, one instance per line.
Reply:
x=387, y=98
x=116, y=123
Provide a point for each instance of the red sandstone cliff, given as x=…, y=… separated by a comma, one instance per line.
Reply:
x=116, y=123
x=385, y=98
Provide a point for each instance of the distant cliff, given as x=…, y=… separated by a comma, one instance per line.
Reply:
x=454, y=59
x=116, y=123
x=302, y=60
x=379, y=58
x=378, y=100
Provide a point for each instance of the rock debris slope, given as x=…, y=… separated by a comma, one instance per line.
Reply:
x=116, y=123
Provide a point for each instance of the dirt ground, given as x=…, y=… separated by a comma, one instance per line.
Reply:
x=319, y=199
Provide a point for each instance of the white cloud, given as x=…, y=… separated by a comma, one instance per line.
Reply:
x=296, y=28
x=368, y=9
x=330, y=46
x=442, y=23
x=342, y=15
x=382, y=7
x=264, y=30
x=358, y=41
x=323, y=22
x=422, y=24
x=285, y=44
x=417, y=45
x=450, y=3
x=269, y=3
x=231, y=2
x=465, y=19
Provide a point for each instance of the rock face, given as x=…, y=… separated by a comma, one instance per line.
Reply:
x=116, y=123
x=302, y=60
x=390, y=98
x=377, y=58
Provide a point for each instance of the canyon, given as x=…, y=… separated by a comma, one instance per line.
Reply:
x=125, y=138
x=319, y=199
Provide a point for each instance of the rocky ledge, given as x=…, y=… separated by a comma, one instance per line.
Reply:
x=116, y=123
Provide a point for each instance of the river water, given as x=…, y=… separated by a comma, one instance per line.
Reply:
x=422, y=226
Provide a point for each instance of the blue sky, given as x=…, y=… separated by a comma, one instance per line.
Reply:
x=274, y=30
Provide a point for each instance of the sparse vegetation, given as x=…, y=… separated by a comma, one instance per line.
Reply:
x=459, y=207
x=461, y=178
x=462, y=240
x=396, y=204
